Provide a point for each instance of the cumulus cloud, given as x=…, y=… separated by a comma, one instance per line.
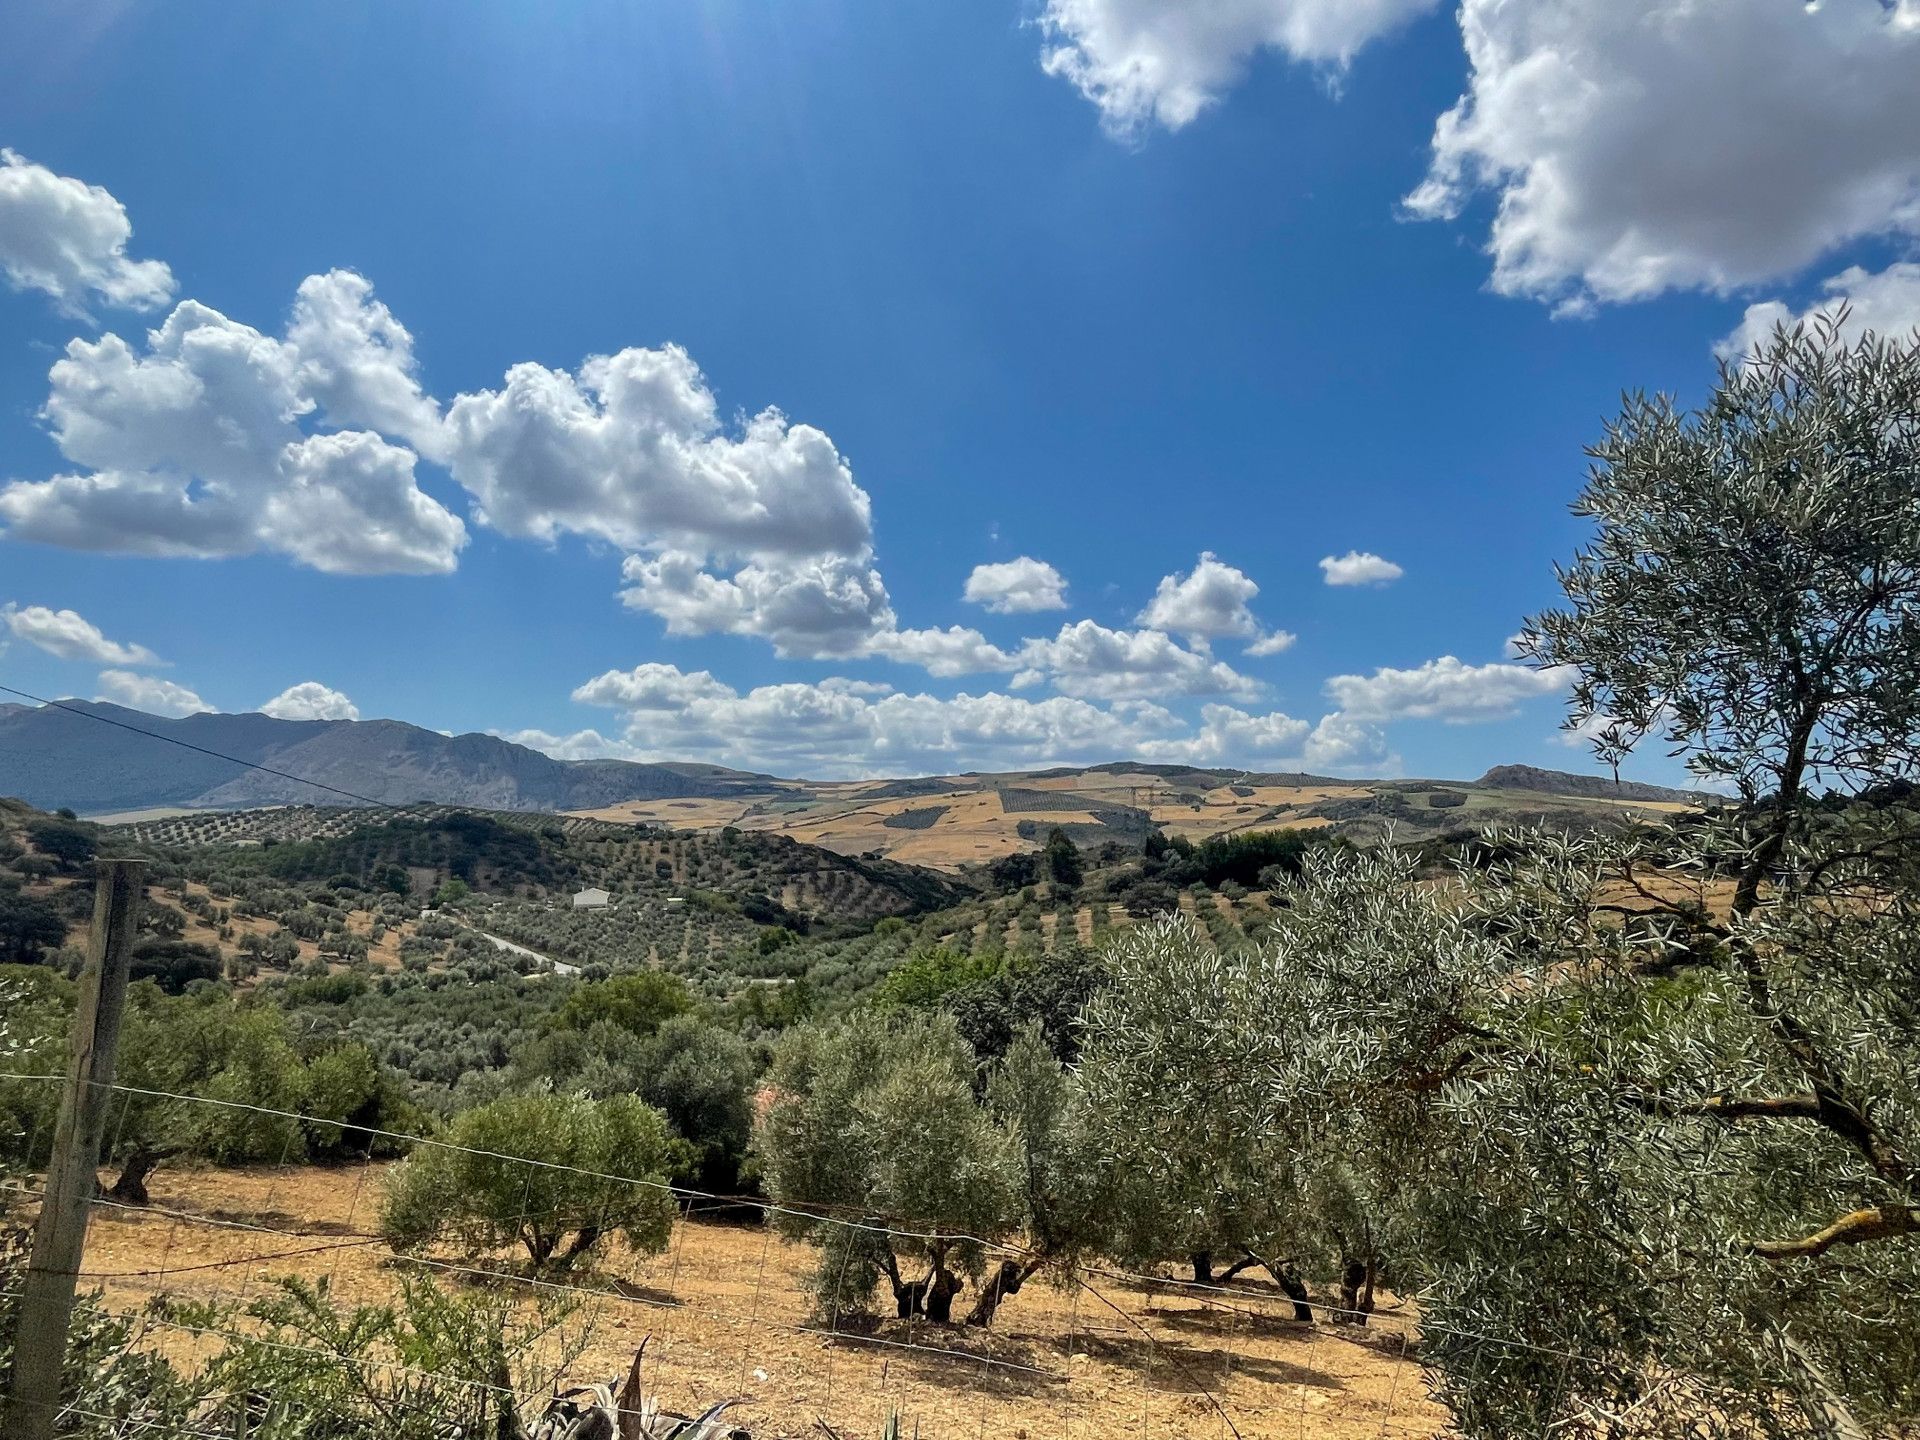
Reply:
x=71, y=636
x=1443, y=689
x=826, y=606
x=1640, y=146
x=630, y=449
x=1210, y=602
x=1145, y=62
x=357, y=363
x=1273, y=643
x=149, y=693
x=580, y=745
x=1230, y=736
x=1887, y=302
x=1016, y=587
x=1342, y=745
x=68, y=239
x=310, y=700
x=841, y=727
x=652, y=687
x=197, y=446
x=1359, y=567
x=956, y=650
x=1088, y=659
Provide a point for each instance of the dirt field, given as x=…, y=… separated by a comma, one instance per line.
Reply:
x=728, y=1316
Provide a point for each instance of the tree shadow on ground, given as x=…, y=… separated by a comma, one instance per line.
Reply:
x=953, y=1356
x=1176, y=1366
x=278, y=1220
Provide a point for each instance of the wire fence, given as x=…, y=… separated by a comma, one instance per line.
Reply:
x=729, y=1310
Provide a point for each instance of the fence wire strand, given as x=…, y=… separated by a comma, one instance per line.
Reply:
x=337, y=1239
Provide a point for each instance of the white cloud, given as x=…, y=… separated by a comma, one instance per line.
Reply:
x=580, y=745
x=196, y=448
x=310, y=700
x=1342, y=745
x=71, y=636
x=69, y=240
x=828, y=606
x=347, y=505
x=1887, y=302
x=149, y=693
x=843, y=727
x=1231, y=736
x=1015, y=587
x=1144, y=62
x=652, y=687
x=1273, y=644
x=357, y=363
x=1443, y=689
x=630, y=449
x=1359, y=567
x=957, y=650
x=1089, y=660
x=1210, y=602
x=1639, y=146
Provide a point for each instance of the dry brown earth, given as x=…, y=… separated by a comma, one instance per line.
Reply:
x=728, y=1316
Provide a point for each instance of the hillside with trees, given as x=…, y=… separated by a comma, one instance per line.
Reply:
x=1626, y=1119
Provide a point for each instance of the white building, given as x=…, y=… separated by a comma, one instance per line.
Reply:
x=591, y=899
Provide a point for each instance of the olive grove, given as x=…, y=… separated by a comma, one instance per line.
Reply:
x=1637, y=1116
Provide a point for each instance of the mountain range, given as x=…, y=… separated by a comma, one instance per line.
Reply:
x=63, y=754
x=96, y=757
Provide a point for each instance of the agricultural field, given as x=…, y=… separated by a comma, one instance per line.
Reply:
x=953, y=822
x=726, y=1307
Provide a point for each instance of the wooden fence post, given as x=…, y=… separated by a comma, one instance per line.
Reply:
x=46, y=1300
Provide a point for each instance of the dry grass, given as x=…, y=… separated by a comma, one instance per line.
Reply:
x=727, y=1311
x=850, y=817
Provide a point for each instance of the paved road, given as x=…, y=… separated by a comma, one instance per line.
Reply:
x=559, y=967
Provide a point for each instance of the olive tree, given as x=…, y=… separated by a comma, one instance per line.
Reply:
x=1215, y=1160
x=553, y=1174
x=876, y=1148
x=1751, y=596
x=1639, y=1114
x=1060, y=1185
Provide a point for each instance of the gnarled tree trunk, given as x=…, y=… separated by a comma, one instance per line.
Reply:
x=1356, y=1290
x=131, y=1186
x=1293, y=1287
x=1005, y=1281
x=1245, y=1262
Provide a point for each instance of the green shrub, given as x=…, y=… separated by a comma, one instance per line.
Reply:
x=552, y=1174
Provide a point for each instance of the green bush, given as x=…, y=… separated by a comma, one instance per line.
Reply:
x=552, y=1174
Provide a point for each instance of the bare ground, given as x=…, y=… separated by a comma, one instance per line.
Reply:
x=727, y=1310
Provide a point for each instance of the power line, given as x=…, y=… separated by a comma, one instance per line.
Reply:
x=201, y=749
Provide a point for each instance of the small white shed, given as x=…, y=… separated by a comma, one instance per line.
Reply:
x=591, y=899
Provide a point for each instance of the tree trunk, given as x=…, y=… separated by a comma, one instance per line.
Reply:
x=583, y=1241
x=1006, y=1281
x=1293, y=1287
x=1202, y=1267
x=539, y=1247
x=1245, y=1262
x=1356, y=1291
x=908, y=1295
x=941, y=1286
x=909, y=1298
x=131, y=1187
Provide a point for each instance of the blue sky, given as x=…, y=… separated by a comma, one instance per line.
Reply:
x=1080, y=291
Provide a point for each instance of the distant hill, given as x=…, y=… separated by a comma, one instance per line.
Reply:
x=1597, y=787
x=51, y=756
